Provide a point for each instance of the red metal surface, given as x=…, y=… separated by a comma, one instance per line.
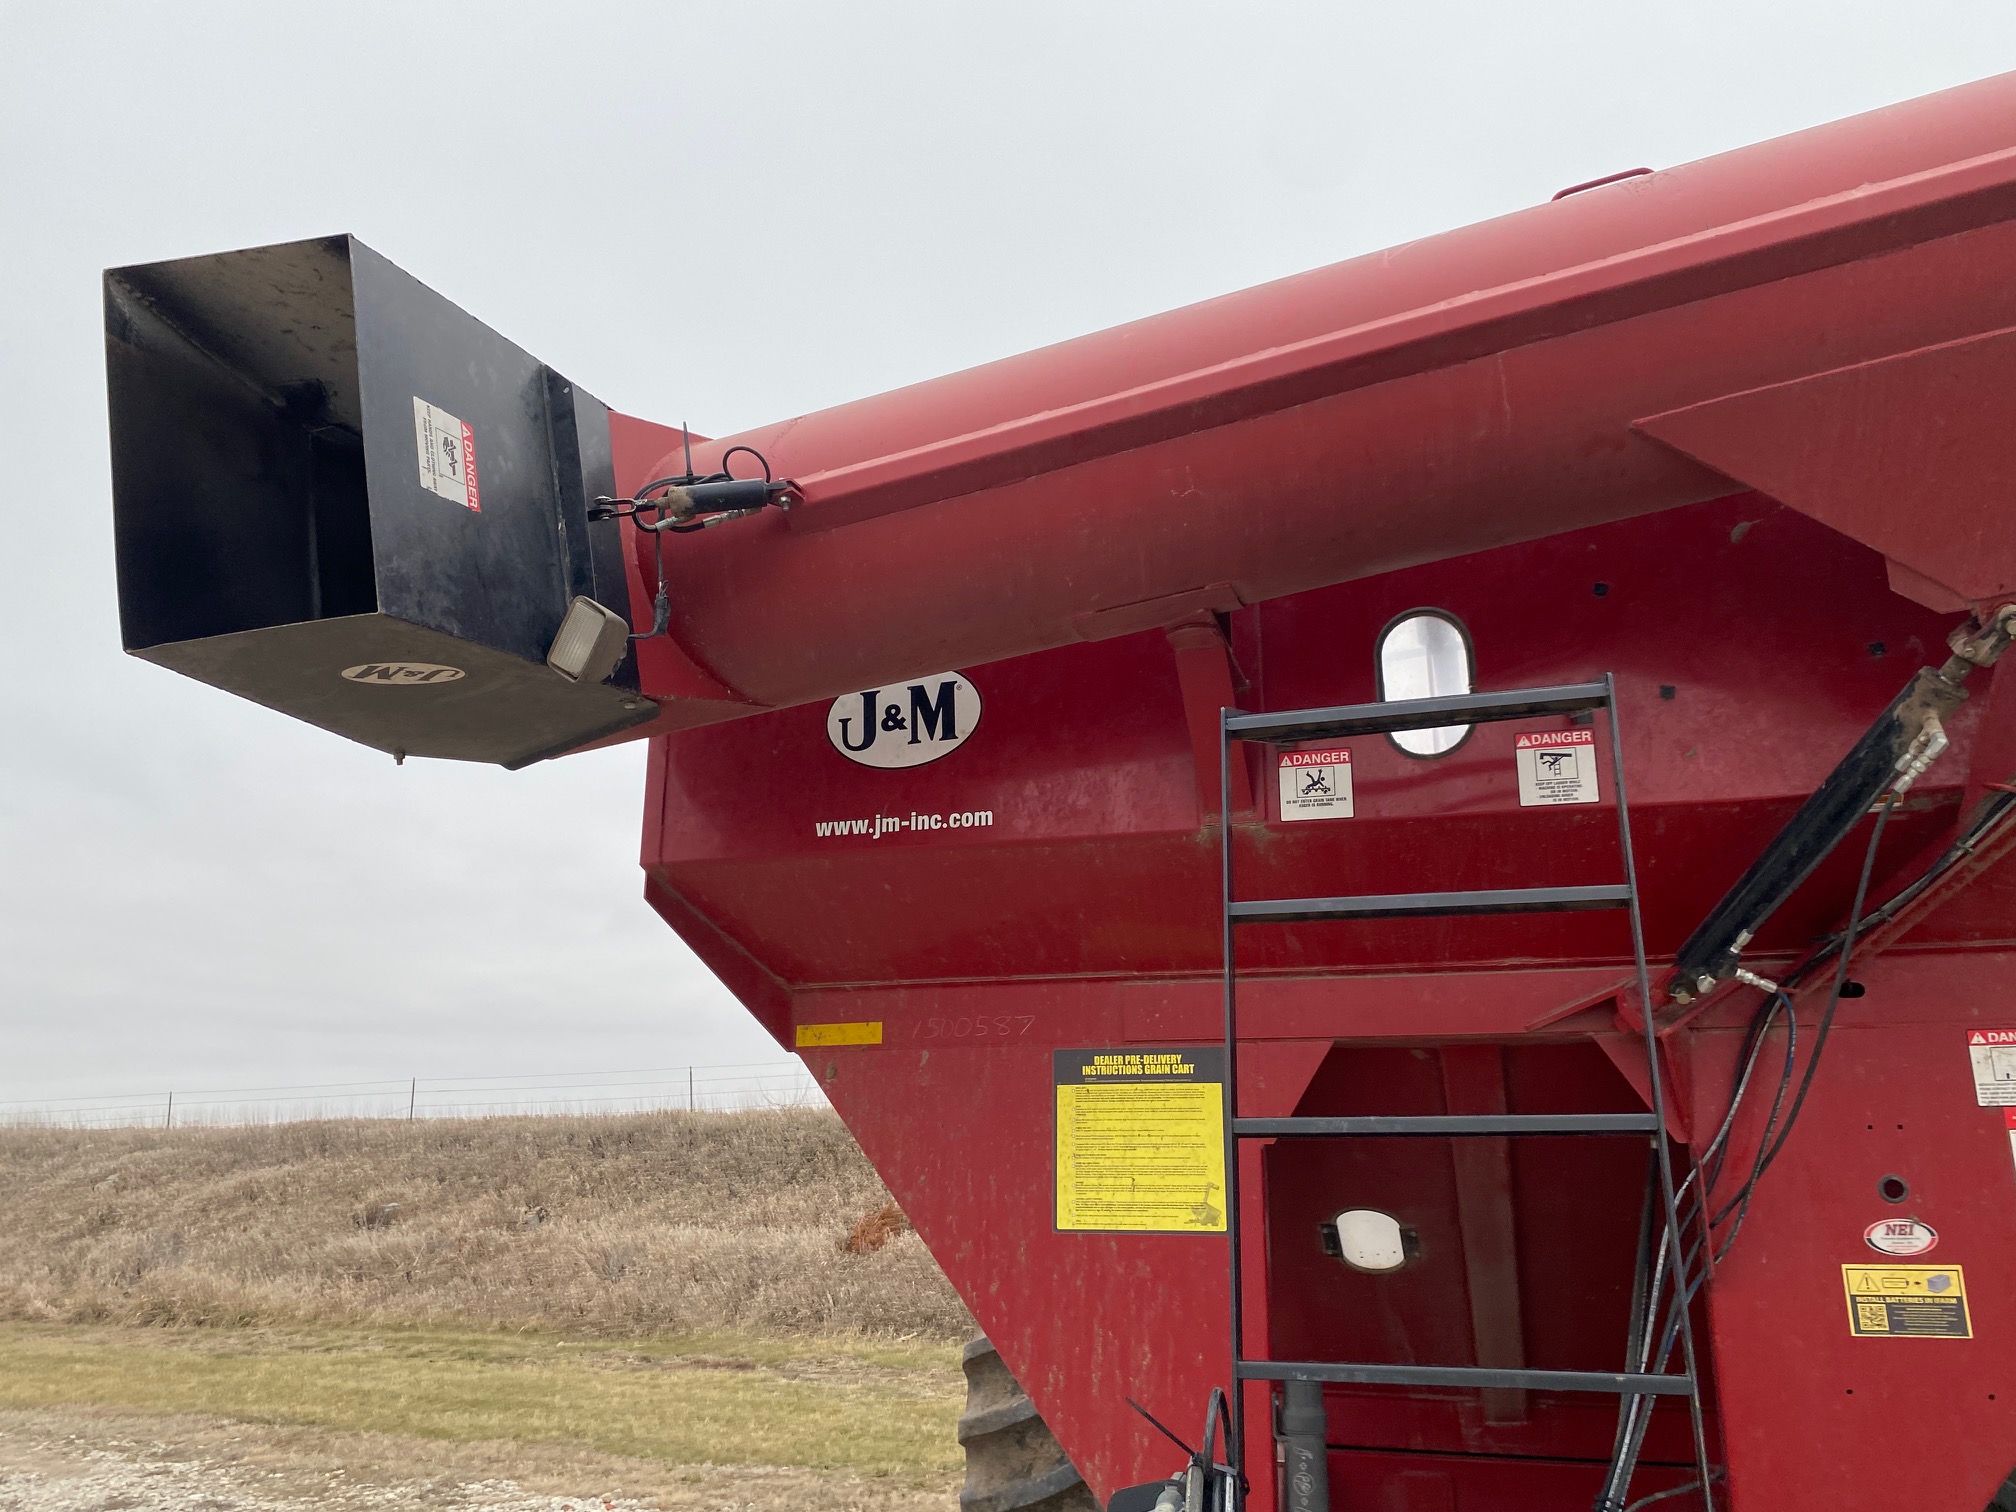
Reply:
x=1091, y=744
x=1084, y=916
x=1541, y=426
x=1462, y=392
x=1826, y=1409
x=1876, y=449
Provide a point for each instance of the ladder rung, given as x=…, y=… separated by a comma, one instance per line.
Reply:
x=1485, y=1377
x=1502, y=900
x=1426, y=1125
x=1416, y=713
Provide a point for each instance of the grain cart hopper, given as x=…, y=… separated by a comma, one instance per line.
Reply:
x=982, y=772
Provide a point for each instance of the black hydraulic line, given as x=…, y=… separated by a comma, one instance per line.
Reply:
x=1638, y=1343
x=1160, y=1427
x=1905, y=739
x=1711, y=953
x=1650, y=1276
x=1635, y=1417
x=1739, y=1205
x=1769, y=1153
x=1990, y=814
x=684, y=503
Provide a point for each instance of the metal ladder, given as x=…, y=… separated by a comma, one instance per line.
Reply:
x=1418, y=714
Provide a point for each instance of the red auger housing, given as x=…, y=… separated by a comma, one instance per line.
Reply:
x=934, y=785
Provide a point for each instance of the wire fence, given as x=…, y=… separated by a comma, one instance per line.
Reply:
x=716, y=1088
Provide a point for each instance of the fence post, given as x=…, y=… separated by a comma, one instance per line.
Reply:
x=169, y=1122
x=412, y=1098
x=690, y=1104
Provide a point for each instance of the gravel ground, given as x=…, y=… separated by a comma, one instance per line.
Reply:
x=83, y=1461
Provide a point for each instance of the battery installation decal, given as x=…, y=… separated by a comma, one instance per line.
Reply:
x=1907, y=1302
x=1141, y=1141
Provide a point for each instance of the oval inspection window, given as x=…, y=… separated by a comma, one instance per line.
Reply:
x=1426, y=654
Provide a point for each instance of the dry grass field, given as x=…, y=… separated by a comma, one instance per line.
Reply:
x=643, y=1224
x=651, y=1310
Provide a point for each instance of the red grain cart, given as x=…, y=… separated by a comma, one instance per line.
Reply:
x=1715, y=459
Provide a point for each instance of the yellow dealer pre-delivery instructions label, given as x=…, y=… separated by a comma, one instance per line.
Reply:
x=1141, y=1141
x=1907, y=1302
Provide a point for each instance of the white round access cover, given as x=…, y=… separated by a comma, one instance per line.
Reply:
x=1370, y=1240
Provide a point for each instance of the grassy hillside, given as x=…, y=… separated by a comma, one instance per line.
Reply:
x=641, y=1225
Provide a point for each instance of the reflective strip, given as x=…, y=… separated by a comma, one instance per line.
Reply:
x=840, y=1034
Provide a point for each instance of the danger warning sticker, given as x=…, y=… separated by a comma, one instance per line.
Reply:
x=1556, y=766
x=1141, y=1141
x=2009, y=1123
x=1993, y=1052
x=1906, y=1302
x=1316, y=784
x=447, y=451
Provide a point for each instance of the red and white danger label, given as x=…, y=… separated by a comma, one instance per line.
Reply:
x=1993, y=1052
x=447, y=451
x=2009, y=1123
x=1556, y=766
x=1316, y=784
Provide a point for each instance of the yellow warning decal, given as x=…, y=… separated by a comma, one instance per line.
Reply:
x=811, y=1035
x=1907, y=1302
x=1141, y=1141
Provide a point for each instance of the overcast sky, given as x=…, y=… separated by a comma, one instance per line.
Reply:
x=727, y=212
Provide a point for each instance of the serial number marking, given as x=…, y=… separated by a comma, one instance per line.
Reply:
x=975, y=1026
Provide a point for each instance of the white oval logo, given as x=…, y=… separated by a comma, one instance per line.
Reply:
x=402, y=674
x=904, y=724
x=1901, y=1236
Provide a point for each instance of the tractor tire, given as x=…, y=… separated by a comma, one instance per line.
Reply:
x=2005, y=1499
x=1013, y=1462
